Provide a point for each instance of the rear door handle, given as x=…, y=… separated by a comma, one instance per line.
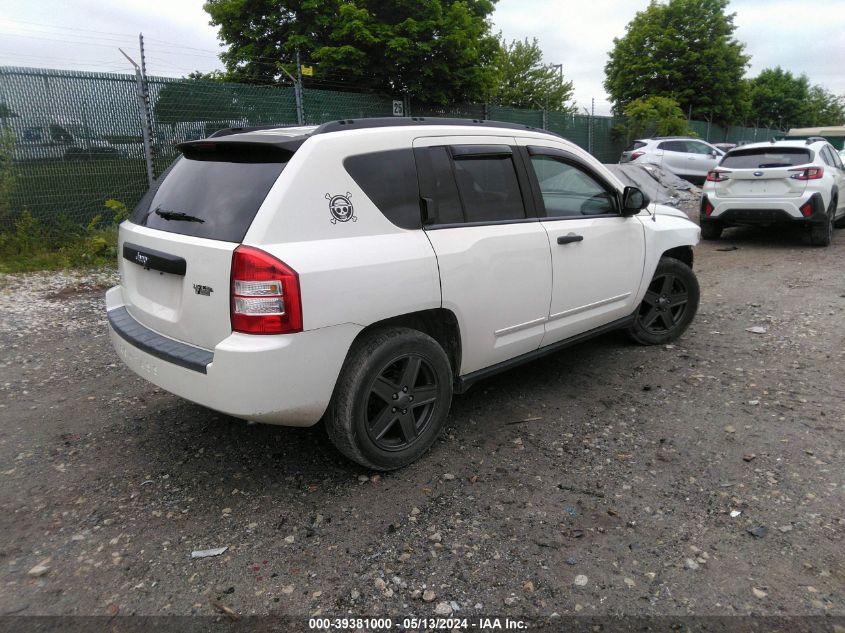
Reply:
x=568, y=239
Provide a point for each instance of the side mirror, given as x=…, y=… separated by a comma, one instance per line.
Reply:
x=714, y=153
x=633, y=201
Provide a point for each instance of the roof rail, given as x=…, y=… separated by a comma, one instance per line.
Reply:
x=815, y=139
x=362, y=124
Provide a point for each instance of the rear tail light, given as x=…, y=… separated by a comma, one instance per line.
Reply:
x=265, y=294
x=807, y=173
x=717, y=176
x=807, y=208
x=636, y=155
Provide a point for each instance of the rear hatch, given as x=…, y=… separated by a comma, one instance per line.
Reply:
x=763, y=172
x=176, y=249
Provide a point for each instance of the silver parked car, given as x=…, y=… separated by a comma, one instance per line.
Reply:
x=689, y=158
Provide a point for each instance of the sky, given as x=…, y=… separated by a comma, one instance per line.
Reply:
x=799, y=35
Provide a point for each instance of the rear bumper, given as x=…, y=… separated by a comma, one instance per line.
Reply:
x=285, y=379
x=731, y=212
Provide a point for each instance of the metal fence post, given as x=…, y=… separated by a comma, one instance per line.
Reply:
x=143, y=111
x=297, y=90
x=545, y=119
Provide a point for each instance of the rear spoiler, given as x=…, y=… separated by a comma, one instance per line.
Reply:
x=242, y=149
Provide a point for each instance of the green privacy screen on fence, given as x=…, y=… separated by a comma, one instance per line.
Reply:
x=76, y=139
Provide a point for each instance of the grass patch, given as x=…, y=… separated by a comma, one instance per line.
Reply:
x=75, y=190
x=32, y=245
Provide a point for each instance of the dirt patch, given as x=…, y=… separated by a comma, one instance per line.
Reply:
x=608, y=479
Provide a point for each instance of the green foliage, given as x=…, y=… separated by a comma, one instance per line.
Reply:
x=656, y=116
x=525, y=82
x=34, y=246
x=7, y=173
x=781, y=99
x=438, y=51
x=684, y=50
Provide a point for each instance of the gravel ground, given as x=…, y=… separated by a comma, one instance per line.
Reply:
x=700, y=478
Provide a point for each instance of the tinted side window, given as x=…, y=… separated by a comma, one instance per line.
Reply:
x=437, y=184
x=570, y=192
x=674, y=146
x=489, y=188
x=390, y=180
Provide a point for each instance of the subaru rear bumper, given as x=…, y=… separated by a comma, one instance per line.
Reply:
x=737, y=212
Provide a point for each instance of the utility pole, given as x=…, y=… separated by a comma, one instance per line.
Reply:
x=590, y=128
x=143, y=111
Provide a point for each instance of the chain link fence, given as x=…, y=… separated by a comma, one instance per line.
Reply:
x=71, y=140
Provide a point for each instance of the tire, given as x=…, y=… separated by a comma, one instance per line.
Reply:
x=711, y=231
x=669, y=305
x=840, y=223
x=385, y=368
x=822, y=234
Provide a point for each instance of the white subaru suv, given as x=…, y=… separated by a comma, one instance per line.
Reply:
x=363, y=271
x=778, y=182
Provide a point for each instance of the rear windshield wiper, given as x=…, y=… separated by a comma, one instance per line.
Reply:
x=772, y=165
x=177, y=215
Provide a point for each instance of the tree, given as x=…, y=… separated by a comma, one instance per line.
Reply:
x=778, y=98
x=825, y=108
x=525, y=82
x=438, y=51
x=655, y=116
x=684, y=50
x=781, y=99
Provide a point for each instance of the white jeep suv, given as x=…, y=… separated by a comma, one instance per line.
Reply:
x=363, y=271
x=779, y=182
x=689, y=158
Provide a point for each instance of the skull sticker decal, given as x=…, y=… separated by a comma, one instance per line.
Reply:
x=341, y=208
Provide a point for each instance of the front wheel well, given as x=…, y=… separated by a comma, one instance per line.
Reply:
x=438, y=323
x=681, y=253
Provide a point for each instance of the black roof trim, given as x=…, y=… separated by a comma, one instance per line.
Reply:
x=375, y=122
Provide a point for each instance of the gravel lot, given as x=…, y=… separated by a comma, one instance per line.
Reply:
x=698, y=478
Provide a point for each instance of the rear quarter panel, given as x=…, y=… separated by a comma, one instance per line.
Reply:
x=357, y=271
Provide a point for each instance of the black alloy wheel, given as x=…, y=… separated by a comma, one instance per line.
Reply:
x=401, y=402
x=669, y=304
x=664, y=304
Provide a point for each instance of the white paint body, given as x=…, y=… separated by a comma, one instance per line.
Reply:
x=511, y=287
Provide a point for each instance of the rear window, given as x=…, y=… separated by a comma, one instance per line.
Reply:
x=635, y=145
x=213, y=194
x=761, y=157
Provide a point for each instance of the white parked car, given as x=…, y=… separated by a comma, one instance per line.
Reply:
x=778, y=182
x=689, y=158
x=363, y=271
